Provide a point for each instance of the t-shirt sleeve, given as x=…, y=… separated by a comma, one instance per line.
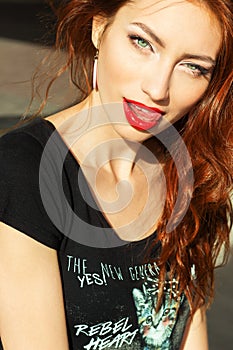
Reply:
x=21, y=203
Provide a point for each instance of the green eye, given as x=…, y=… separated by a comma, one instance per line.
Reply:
x=197, y=69
x=142, y=42
x=192, y=67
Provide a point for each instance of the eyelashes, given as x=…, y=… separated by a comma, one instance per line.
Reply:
x=140, y=43
x=196, y=70
x=144, y=46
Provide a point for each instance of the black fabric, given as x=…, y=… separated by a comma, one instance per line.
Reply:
x=110, y=291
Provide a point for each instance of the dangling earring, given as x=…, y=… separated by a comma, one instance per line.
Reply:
x=94, y=84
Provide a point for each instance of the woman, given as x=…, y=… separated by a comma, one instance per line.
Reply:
x=114, y=210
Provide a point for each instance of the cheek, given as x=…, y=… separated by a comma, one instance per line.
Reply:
x=112, y=71
x=115, y=66
x=185, y=96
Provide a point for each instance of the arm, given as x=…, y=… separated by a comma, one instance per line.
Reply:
x=196, y=333
x=31, y=301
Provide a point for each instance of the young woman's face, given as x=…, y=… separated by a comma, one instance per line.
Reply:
x=156, y=60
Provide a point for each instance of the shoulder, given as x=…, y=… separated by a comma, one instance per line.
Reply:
x=34, y=133
x=22, y=148
x=21, y=202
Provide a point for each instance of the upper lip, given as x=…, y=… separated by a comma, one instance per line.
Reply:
x=139, y=104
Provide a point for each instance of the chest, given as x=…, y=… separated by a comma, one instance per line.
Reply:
x=131, y=206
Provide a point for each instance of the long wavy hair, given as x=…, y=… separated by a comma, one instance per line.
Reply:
x=207, y=131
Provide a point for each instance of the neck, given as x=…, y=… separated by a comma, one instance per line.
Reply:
x=101, y=147
x=95, y=143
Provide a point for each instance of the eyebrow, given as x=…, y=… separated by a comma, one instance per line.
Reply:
x=204, y=58
x=148, y=31
x=156, y=39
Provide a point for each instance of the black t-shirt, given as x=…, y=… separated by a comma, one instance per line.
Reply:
x=110, y=291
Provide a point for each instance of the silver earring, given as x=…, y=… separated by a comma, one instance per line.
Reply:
x=94, y=83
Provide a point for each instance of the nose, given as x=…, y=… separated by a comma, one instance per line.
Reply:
x=156, y=82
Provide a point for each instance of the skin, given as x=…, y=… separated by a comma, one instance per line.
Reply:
x=143, y=70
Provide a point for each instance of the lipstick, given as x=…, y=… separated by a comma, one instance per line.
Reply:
x=140, y=116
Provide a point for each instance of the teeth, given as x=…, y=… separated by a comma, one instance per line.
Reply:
x=140, y=108
x=146, y=116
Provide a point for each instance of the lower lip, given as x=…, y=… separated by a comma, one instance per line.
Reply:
x=136, y=121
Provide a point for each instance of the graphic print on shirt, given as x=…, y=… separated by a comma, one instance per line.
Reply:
x=156, y=328
x=141, y=328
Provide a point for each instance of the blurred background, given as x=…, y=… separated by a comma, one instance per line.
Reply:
x=25, y=38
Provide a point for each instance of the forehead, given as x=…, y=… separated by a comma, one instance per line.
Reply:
x=176, y=21
x=149, y=6
x=155, y=8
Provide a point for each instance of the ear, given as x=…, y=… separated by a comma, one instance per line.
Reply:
x=98, y=26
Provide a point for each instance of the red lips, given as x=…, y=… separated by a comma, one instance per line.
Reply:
x=140, y=116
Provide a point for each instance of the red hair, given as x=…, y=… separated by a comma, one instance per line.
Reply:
x=208, y=134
